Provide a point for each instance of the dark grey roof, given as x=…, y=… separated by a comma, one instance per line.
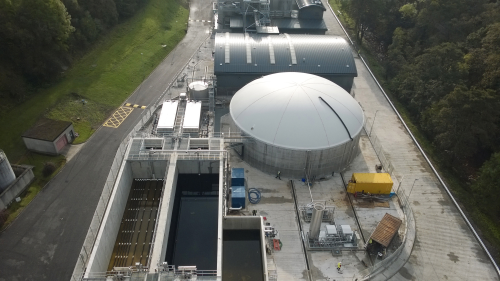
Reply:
x=307, y=3
x=47, y=129
x=315, y=54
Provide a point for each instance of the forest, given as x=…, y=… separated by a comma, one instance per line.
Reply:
x=441, y=61
x=41, y=38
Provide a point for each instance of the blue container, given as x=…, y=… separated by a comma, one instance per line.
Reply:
x=238, y=196
x=238, y=177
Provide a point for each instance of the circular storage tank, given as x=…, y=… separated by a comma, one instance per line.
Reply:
x=198, y=90
x=297, y=122
x=7, y=175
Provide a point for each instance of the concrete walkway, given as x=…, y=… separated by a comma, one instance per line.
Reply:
x=445, y=248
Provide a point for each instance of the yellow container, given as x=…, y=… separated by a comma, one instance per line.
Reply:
x=374, y=183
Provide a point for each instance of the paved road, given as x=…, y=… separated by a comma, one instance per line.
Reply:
x=44, y=242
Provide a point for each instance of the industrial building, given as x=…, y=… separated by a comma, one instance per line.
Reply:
x=49, y=136
x=270, y=16
x=242, y=58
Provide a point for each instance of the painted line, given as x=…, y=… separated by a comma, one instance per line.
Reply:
x=118, y=117
x=199, y=20
x=135, y=105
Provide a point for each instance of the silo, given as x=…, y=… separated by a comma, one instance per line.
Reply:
x=298, y=124
x=7, y=175
x=198, y=90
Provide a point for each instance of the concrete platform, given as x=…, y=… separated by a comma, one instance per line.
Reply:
x=277, y=205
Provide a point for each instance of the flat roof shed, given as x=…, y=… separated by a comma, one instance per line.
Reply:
x=386, y=229
x=49, y=136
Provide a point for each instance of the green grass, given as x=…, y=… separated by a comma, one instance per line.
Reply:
x=37, y=160
x=488, y=228
x=104, y=77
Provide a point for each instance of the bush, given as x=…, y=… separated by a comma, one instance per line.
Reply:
x=4, y=215
x=48, y=169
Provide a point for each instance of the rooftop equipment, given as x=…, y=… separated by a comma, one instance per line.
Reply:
x=238, y=191
x=191, y=124
x=307, y=210
x=237, y=177
x=167, y=117
x=333, y=237
x=198, y=90
x=373, y=183
x=238, y=197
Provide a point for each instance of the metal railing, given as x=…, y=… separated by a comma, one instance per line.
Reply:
x=409, y=233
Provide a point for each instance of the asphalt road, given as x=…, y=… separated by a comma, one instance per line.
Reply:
x=45, y=240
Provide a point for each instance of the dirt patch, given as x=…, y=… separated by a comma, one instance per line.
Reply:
x=454, y=258
x=275, y=200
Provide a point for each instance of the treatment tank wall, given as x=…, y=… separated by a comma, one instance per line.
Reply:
x=198, y=90
x=298, y=124
x=7, y=175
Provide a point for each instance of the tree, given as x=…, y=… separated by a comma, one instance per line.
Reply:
x=486, y=188
x=102, y=10
x=464, y=122
x=38, y=39
x=430, y=76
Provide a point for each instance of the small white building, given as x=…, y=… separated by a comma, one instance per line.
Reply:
x=49, y=136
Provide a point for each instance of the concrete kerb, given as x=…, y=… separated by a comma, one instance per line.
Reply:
x=476, y=235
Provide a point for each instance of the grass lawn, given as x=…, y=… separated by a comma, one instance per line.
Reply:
x=104, y=78
x=486, y=226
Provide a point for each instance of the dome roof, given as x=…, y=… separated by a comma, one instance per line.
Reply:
x=297, y=111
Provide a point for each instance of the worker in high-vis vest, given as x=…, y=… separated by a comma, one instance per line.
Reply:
x=339, y=265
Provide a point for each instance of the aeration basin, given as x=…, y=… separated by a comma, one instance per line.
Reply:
x=243, y=249
x=193, y=231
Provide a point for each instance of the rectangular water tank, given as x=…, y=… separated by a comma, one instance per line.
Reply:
x=238, y=177
x=238, y=197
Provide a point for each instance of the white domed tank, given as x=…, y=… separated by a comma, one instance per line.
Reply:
x=297, y=123
x=7, y=175
x=198, y=90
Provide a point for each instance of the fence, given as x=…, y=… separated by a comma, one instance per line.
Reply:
x=402, y=253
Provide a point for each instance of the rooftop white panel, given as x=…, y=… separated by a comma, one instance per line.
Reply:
x=192, y=115
x=167, y=116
